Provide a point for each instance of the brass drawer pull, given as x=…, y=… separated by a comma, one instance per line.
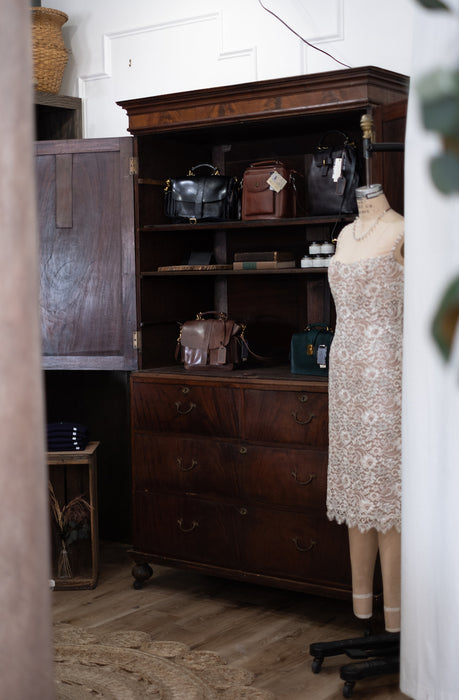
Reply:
x=302, y=422
x=312, y=544
x=303, y=483
x=194, y=525
x=194, y=463
x=178, y=405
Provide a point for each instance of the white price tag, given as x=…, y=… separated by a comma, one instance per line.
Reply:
x=337, y=169
x=276, y=181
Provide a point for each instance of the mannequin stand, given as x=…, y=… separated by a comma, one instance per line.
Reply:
x=381, y=650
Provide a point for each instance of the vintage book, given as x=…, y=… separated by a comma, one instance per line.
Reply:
x=263, y=264
x=185, y=268
x=275, y=255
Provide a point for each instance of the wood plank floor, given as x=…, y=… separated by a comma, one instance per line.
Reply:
x=266, y=631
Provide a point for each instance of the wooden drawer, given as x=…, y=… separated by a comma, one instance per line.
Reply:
x=184, y=465
x=295, y=545
x=283, y=476
x=294, y=417
x=183, y=408
x=188, y=528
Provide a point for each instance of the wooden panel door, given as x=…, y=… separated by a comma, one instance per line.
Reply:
x=388, y=168
x=86, y=225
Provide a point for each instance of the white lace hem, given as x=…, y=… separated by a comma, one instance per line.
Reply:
x=366, y=524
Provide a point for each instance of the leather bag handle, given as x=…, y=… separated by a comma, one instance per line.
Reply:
x=333, y=131
x=217, y=314
x=215, y=171
x=266, y=162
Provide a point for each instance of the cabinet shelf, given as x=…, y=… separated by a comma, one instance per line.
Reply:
x=238, y=224
x=230, y=273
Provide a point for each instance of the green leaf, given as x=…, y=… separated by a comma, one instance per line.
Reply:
x=433, y=4
x=445, y=172
x=446, y=319
x=439, y=95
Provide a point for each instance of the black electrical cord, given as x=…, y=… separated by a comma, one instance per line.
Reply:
x=302, y=38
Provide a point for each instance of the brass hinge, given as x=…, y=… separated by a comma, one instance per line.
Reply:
x=133, y=165
x=137, y=340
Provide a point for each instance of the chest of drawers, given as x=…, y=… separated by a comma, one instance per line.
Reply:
x=229, y=478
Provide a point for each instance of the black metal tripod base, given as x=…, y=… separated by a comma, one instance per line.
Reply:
x=382, y=650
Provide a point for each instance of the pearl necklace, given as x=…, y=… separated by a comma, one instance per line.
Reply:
x=372, y=227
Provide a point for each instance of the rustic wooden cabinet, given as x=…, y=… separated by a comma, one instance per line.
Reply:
x=229, y=469
x=86, y=222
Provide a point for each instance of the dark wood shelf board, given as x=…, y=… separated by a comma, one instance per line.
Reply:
x=238, y=224
x=226, y=273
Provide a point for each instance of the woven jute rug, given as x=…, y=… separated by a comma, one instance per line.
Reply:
x=133, y=666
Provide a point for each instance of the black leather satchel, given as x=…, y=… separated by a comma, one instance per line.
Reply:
x=202, y=197
x=333, y=176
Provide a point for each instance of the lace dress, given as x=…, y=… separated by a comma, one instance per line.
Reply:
x=365, y=393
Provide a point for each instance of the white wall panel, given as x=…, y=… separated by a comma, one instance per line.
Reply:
x=125, y=50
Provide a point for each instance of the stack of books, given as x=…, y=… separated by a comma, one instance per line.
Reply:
x=265, y=260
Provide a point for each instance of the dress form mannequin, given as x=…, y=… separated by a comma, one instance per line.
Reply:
x=372, y=204
x=376, y=235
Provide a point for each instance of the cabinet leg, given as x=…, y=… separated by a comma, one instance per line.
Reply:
x=141, y=572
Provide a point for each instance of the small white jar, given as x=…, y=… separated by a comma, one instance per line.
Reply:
x=307, y=261
x=327, y=248
x=315, y=248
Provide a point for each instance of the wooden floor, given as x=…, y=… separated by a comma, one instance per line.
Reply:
x=264, y=630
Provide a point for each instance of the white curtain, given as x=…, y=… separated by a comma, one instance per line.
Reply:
x=430, y=530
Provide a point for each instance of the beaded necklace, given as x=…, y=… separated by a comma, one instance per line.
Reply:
x=372, y=227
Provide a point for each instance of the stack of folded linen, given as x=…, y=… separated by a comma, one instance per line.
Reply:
x=66, y=436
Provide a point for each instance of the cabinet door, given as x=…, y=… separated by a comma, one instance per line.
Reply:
x=388, y=167
x=86, y=225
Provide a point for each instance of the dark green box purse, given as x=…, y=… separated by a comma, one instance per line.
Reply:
x=310, y=349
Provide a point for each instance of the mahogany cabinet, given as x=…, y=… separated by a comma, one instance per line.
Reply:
x=229, y=478
x=229, y=468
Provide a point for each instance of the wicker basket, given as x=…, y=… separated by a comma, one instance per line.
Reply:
x=49, y=53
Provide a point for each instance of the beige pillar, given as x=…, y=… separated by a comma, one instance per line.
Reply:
x=25, y=598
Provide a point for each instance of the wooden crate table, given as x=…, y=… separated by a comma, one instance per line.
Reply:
x=73, y=474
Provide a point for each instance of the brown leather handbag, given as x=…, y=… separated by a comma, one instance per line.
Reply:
x=268, y=191
x=211, y=342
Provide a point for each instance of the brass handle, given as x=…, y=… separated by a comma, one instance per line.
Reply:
x=185, y=412
x=312, y=544
x=194, y=463
x=303, y=483
x=302, y=422
x=194, y=525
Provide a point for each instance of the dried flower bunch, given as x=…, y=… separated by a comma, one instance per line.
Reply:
x=72, y=522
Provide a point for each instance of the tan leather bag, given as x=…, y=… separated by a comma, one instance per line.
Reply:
x=211, y=342
x=268, y=191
